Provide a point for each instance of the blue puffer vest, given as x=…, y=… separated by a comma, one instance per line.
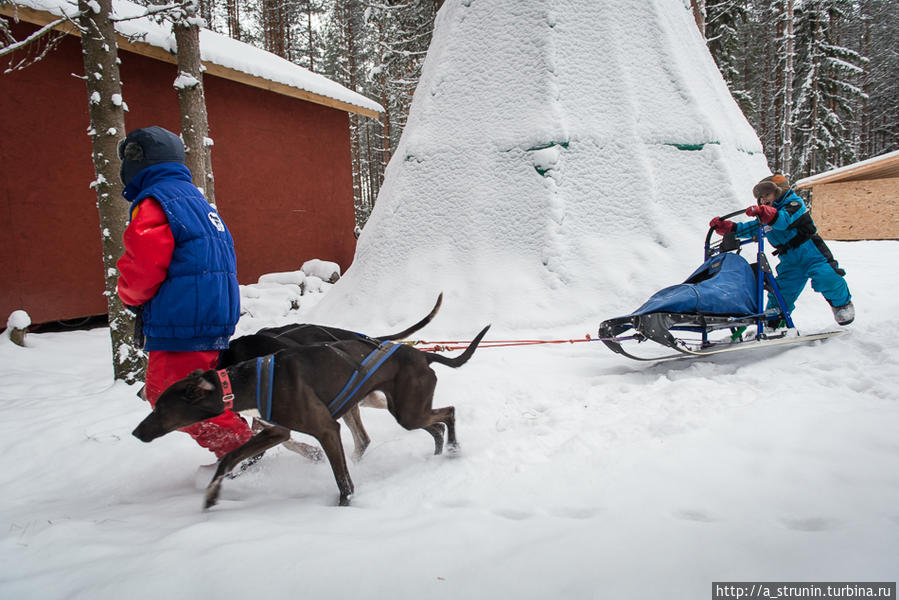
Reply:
x=197, y=306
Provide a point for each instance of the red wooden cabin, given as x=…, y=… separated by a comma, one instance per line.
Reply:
x=281, y=159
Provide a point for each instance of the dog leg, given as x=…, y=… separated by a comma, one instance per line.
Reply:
x=269, y=437
x=436, y=430
x=449, y=420
x=305, y=450
x=361, y=440
x=431, y=420
x=443, y=417
x=329, y=438
x=376, y=399
x=360, y=437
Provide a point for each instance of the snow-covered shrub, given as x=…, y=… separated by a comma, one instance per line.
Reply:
x=276, y=297
x=324, y=270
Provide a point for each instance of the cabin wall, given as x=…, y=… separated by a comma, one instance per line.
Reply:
x=282, y=173
x=857, y=210
x=50, y=259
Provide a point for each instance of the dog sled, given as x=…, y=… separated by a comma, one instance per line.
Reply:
x=719, y=308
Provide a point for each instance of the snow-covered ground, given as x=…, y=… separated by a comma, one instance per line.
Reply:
x=559, y=165
x=581, y=475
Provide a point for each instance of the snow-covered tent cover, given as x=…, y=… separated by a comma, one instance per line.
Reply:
x=551, y=145
x=283, y=173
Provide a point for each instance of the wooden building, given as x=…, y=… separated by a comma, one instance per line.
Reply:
x=281, y=161
x=857, y=202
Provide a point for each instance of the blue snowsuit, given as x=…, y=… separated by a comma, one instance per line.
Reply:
x=803, y=254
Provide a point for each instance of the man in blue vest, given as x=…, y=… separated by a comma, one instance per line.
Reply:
x=803, y=254
x=180, y=269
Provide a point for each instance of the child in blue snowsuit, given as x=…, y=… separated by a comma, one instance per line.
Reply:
x=803, y=255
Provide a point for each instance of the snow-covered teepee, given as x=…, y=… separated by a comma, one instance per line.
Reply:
x=561, y=161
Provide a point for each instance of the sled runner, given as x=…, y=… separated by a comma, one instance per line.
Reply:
x=719, y=308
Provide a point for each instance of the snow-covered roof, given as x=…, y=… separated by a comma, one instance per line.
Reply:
x=879, y=167
x=222, y=56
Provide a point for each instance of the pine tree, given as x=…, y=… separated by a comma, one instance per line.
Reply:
x=276, y=19
x=401, y=31
x=307, y=51
x=723, y=20
x=827, y=88
x=877, y=129
x=345, y=58
x=762, y=73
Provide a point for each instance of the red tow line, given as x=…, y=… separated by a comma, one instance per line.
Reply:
x=445, y=345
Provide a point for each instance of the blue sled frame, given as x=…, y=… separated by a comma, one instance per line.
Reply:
x=666, y=327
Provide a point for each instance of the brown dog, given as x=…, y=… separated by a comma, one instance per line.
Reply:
x=307, y=389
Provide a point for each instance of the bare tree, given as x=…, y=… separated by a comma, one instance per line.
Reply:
x=233, y=15
x=308, y=49
x=192, y=100
x=275, y=17
x=106, y=108
x=698, y=7
x=34, y=47
x=788, y=77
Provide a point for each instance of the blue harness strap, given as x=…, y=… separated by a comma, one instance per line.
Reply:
x=369, y=366
x=265, y=378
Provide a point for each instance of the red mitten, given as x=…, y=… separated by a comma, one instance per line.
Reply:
x=721, y=226
x=764, y=212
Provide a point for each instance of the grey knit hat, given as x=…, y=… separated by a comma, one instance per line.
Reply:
x=148, y=146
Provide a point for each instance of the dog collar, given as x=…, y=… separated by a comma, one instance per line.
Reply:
x=227, y=392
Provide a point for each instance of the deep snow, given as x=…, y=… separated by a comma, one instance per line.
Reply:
x=545, y=182
x=581, y=475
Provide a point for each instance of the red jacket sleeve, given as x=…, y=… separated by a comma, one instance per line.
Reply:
x=148, y=251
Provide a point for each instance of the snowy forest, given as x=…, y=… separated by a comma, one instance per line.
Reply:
x=816, y=78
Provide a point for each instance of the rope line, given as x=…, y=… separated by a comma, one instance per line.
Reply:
x=446, y=345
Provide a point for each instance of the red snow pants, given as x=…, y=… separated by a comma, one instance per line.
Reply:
x=220, y=434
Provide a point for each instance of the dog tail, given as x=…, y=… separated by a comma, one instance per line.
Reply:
x=460, y=360
x=407, y=332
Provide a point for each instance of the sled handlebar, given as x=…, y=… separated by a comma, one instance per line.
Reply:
x=708, y=236
x=742, y=211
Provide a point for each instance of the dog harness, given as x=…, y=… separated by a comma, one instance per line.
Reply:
x=227, y=392
x=369, y=366
x=265, y=377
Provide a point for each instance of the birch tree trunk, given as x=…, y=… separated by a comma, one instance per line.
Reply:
x=349, y=34
x=788, y=78
x=192, y=100
x=698, y=7
x=232, y=9
x=309, y=38
x=104, y=91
